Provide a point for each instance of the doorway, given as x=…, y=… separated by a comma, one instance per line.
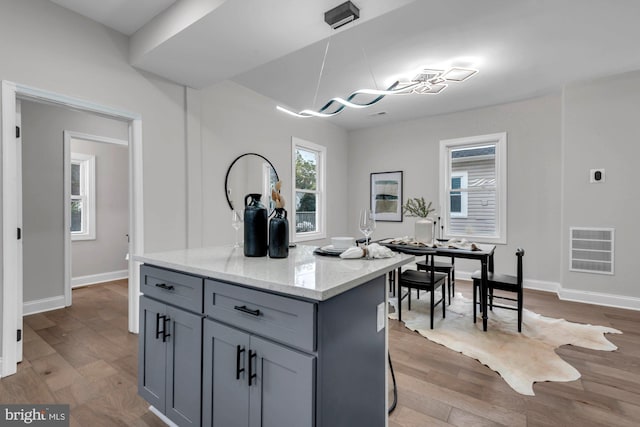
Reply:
x=12, y=93
x=96, y=181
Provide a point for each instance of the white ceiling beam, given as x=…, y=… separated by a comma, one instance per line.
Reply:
x=167, y=24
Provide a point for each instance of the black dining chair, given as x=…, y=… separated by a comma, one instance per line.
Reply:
x=427, y=281
x=448, y=268
x=503, y=282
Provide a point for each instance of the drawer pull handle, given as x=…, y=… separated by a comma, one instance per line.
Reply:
x=158, y=331
x=252, y=355
x=165, y=335
x=239, y=351
x=244, y=309
x=164, y=286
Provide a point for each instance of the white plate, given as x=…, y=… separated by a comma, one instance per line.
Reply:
x=331, y=250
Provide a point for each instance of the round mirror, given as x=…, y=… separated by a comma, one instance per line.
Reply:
x=250, y=173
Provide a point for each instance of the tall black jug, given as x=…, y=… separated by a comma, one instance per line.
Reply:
x=255, y=226
x=279, y=235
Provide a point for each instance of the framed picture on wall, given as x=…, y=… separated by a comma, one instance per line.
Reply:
x=386, y=196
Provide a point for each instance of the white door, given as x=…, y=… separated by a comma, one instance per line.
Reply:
x=19, y=215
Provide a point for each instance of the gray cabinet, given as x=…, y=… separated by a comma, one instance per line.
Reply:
x=282, y=394
x=260, y=359
x=170, y=358
x=251, y=381
x=152, y=354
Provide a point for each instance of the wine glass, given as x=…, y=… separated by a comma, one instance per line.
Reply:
x=236, y=223
x=367, y=223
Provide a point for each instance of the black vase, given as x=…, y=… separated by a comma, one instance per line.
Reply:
x=255, y=226
x=279, y=235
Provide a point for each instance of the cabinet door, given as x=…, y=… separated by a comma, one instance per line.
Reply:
x=225, y=395
x=184, y=367
x=282, y=394
x=152, y=359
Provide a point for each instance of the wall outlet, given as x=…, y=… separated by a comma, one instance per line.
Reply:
x=380, y=316
x=596, y=176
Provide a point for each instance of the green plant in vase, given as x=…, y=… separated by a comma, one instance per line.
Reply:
x=417, y=207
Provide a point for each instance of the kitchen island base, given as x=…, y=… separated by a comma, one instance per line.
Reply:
x=267, y=359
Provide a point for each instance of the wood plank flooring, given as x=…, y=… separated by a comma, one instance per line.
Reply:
x=84, y=356
x=440, y=387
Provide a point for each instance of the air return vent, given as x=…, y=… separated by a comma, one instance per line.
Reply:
x=592, y=250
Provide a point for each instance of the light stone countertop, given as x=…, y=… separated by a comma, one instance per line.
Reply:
x=302, y=274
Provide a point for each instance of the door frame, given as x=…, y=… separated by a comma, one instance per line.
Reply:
x=11, y=193
x=68, y=136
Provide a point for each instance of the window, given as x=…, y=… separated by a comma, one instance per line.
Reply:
x=473, y=197
x=83, y=201
x=308, y=191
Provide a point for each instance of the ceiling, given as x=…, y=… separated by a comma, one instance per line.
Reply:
x=125, y=16
x=522, y=49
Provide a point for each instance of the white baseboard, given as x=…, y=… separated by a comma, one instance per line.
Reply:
x=40, y=305
x=54, y=303
x=575, y=295
x=598, y=298
x=162, y=417
x=541, y=285
x=98, y=278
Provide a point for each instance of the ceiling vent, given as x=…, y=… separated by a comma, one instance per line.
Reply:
x=592, y=250
x=341, y=15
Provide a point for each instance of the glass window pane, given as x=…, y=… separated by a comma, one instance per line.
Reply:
x=479, y=163
x=456, y=182
x=76, y=216
x=306, y=212
x=306, y=169
x=75, y=179
x=481, y=215
x=456, y=202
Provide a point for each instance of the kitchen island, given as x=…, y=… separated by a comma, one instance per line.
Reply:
x=228, y=340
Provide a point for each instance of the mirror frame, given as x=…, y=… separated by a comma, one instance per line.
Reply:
x=226, y=178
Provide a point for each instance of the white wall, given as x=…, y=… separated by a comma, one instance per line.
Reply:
x=533, y=131
x=602, y=130
x=48, y=47
x=43, y=199
x=236, y=120
x=105, y=254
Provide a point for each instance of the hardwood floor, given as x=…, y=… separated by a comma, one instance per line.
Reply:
x=438, y=386
x=84, y=356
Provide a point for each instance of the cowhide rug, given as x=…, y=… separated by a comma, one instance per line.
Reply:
x=520, y=359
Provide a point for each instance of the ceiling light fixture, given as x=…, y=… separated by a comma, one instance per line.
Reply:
x=428, y=81
x=342, y=15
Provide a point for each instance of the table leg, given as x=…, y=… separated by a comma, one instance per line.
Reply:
x=483, y=293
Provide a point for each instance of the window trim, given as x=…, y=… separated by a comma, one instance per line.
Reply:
x=321, y=207
x=500, y=141
x=87, y=164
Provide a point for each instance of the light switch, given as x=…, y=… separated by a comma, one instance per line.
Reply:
x=380, y=316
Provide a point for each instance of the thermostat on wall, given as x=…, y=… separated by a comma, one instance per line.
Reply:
x=596, y=176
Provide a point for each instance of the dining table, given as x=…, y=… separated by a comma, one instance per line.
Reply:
x=482, y=252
